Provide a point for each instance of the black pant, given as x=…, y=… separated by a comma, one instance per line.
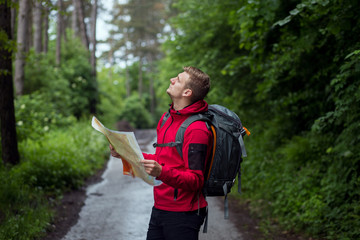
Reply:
x=165, y=225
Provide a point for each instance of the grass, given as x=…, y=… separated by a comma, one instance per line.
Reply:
x=59, y=161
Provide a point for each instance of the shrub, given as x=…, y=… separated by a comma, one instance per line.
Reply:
x=36, y=115
x=24, y=212
x=112, y=94
x=70, y=87
x=62, y=159
x=134, y=112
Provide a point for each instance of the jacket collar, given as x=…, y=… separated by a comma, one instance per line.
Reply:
x=196, y=107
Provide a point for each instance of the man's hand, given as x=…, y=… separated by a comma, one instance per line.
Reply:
x=152, y=167
x=113, y=152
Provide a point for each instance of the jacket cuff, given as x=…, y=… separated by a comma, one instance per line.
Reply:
x=163, y=174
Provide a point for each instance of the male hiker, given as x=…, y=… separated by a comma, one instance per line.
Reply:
x=180, y=207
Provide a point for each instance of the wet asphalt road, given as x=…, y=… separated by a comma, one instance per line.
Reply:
x=119, y=207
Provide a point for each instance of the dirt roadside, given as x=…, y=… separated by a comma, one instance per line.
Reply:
x=67, y=210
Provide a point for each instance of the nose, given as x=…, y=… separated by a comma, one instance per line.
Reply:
x=172, y=80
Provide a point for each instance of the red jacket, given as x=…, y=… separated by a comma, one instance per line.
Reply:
x=182, y=178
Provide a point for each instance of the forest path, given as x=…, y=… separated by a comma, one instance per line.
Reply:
x=119, y=207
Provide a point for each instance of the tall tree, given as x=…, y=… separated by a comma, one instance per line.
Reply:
x=74, y=20
x=21, y=45
x=59, y=31
x=93, y=37
x=38, y=26
x=13, y=17
x=10, y=153
x=79, y=7
x=127, y=76
x=138, y=24
x=94, y=9
x=29, y=28
x=46, y=29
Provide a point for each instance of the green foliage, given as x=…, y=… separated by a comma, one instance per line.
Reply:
x=57, y=151
x=290, y=69
x=111, y=94
x=135, y=113
x=50, y=165
x=114, y=99
x=6, y=44
x=77, y=70
x=36, y=114
x=24, y=212
x=70, y=87
x=133, y=74
x=39, y=71
x=62, y=159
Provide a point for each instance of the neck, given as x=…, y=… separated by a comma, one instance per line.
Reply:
x=181, y=104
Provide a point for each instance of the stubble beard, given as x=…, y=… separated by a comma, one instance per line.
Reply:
x=168, y=93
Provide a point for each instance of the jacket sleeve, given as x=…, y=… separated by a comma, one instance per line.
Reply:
x=149, y=156
x=196, y=149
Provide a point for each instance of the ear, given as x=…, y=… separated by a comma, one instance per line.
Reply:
x=187, y=92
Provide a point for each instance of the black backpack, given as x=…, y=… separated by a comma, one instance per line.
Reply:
x=228, y=149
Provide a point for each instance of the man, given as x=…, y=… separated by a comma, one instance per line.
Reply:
x=180, y=207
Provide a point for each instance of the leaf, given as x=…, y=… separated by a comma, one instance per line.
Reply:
x=356, y=52
x=283, y=22
x=294, y=12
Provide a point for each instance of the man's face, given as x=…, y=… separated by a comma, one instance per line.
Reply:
x=178, y=85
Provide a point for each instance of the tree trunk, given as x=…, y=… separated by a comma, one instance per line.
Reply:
x=93, y=99
x=21, y=46
x=13, y=18
x=151, y=85
x=81, y=20
x=111, y=53
x=152, y=96
x=46, y=29
x=150, y=69
x=37, y=13
x=59, y=32
x=140, y=80
x=10, y=153
x=127, y=75
x=74, y=20
x=93, y=38
x=63, y=21
x=127, y=78
x=29, y=25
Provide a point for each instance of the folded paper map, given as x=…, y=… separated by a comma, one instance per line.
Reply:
x=126, y=145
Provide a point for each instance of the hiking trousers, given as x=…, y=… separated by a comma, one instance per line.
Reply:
x=165, y=225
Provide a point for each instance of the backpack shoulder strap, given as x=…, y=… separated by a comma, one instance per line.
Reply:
x=181, y=131
x=179, y=138
x=165, y=118
x=171, y=144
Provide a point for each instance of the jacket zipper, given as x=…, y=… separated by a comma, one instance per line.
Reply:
x=172, y=120
x=175, y=193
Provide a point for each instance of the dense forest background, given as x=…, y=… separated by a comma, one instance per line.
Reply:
x=289, y=68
